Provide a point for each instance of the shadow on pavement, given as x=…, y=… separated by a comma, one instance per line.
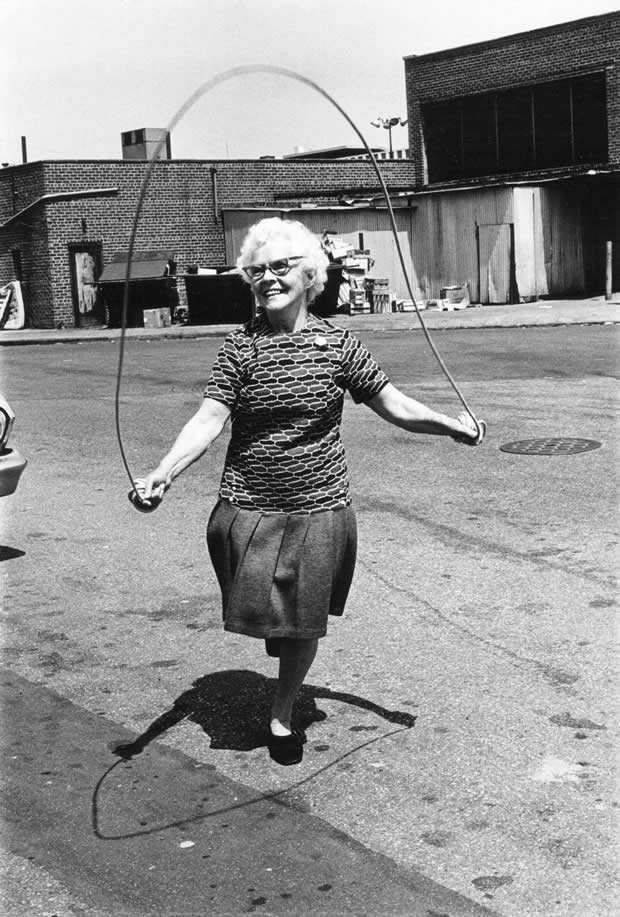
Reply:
x=7, y=553
x=168, y=847
x=232, y=707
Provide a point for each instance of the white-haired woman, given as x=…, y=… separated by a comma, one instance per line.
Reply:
x=282, y=536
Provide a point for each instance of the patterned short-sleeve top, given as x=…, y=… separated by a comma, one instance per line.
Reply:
x=286, y=394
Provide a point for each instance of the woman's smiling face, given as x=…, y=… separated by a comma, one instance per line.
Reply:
x=284, y=294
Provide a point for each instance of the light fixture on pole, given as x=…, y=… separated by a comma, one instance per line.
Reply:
x=388, y=124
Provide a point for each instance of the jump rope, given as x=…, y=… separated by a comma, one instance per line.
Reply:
x=136, y=499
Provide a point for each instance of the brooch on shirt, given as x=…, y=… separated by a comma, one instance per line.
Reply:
x=320, y=342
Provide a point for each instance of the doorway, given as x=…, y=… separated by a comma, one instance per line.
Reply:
x=85, y=264
x=496, y=266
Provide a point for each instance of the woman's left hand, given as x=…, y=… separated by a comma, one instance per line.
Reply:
x=469, y=433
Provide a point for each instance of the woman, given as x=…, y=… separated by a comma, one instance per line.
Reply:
x=282, y=537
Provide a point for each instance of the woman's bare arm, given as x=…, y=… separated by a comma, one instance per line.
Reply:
x=192, y=442
x=394, y=406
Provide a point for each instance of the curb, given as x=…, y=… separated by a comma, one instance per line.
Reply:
x=536, y=315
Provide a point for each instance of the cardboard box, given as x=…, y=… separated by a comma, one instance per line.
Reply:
x=157, y=318
x=455, y=297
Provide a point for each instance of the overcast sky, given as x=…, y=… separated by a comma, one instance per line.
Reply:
x=79, y=72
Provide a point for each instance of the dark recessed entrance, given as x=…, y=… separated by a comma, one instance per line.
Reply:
x=552, y=445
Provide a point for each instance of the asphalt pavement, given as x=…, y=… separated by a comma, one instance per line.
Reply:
x=592, y=310
x=499, y=792
x=164, y=834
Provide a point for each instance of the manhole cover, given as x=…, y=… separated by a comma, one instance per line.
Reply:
x=557, y=445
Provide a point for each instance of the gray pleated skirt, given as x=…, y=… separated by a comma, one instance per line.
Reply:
x=282, y=574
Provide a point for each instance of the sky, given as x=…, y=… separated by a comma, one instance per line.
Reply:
x=77, y=73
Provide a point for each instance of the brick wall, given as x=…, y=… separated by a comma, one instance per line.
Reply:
x=526, y=58
x=20, y=186
x=178, y=211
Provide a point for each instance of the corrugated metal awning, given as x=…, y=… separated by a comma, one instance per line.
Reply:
x=152, y=265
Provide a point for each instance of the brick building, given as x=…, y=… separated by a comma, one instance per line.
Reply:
x=57, y=216
x=516, y=150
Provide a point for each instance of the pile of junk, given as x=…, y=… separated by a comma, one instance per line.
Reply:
x=359, y=292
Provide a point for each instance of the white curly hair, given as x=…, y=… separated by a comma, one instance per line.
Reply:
x=303, y=242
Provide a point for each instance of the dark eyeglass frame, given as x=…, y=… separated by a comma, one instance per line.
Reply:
x=279, y=268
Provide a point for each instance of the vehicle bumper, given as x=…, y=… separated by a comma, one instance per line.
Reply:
x=11, y=466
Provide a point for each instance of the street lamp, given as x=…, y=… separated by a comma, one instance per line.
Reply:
x=388, y=124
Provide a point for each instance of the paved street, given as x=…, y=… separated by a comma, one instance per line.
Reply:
x=460, y=716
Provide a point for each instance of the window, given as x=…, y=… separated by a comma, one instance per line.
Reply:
x=479, y=135
x=443, y=140
x=590, y=118
x=552, y=125
x=533, y=127
x=515, y=130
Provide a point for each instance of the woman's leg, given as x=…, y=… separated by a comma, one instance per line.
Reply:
x=296, y=657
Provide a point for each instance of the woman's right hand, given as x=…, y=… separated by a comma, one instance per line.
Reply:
x=192, y=442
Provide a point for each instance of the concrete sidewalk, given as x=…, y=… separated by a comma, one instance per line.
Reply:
x=591, y=311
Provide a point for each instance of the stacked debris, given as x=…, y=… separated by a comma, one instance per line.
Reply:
x=359, y=292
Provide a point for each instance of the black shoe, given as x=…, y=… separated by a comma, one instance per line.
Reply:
x=272, y=645
x=287, y=749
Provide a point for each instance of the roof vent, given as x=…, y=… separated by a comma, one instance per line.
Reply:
x=142, y=144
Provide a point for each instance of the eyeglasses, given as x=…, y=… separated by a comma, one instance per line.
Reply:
x=279, y=268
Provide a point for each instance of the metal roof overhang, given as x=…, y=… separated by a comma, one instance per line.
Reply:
x=151, y=265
